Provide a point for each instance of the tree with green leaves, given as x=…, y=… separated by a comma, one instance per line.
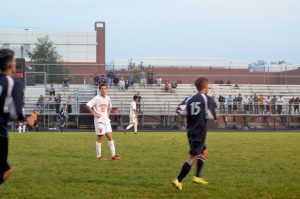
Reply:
x=45, y=53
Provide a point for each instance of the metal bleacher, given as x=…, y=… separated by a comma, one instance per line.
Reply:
x=156, y=103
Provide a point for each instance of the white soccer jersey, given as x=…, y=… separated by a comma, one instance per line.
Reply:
x=132, y=109
x=100, y=104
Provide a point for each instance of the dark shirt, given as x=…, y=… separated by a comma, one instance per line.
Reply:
x=196, y=112
x=10, y=89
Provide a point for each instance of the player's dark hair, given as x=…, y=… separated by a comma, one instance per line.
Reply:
x=103, y=84
x=6, y=56
x=200, y=83
x=135, y=97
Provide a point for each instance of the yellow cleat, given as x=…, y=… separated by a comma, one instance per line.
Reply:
x=199, y=180
x=177, y=184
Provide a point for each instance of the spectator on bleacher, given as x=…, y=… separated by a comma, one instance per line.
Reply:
x=221, y=100
x=127, y=85
x=130, y=80
x=291, y=102
x=51, y=90
x=256, y=104
x=167, y=86
x=66, y=82
x=102, y=79
x=142, y=78
x=116, y=81
x=96, y=80
x=239, y=103
x=235, y=104
x=69, y=103
x=245, y=103
x=158, y=81
x=251, y=102
x=261, y=101
x=122, y=83
x=280, y=103
x=139, y=100
x=296, y=105
x=49, y=104
x=268, y=104
x=150, y=77
x=41, y=103
x=173, y=86
x=236, y=86
x=110, y=78
x=57, y=100
x=229, y=104
x=273, y=104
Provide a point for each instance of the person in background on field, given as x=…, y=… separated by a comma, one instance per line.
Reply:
x=133, y=116
x=158, y=81
x=34, y=118
x=142, y=78
x=22, y=124
x=229, y=104
x=280, y=103
x=110, y=76
x=69, y=103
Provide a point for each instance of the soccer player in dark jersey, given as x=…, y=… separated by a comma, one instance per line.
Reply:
x=11, y=101
x=198, y=109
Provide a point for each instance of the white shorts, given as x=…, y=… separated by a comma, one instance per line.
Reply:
x=102, y=127
x=133, y=120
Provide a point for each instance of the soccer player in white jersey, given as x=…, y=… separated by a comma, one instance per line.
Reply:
x=100, y=107
x=133, y=116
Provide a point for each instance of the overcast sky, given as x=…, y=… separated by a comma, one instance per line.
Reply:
x=234, y=29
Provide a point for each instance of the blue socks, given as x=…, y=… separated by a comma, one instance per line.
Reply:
x=200, y=164
x=186, y=167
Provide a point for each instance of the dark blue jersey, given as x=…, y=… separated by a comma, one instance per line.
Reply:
x=197, y=108
x=11, y=102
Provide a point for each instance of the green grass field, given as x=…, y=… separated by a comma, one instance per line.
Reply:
x=240, y=165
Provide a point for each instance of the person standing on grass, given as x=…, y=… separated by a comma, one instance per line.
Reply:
x=198, y=109
x=11, y=100
x=133, y=122
x=100, y=107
